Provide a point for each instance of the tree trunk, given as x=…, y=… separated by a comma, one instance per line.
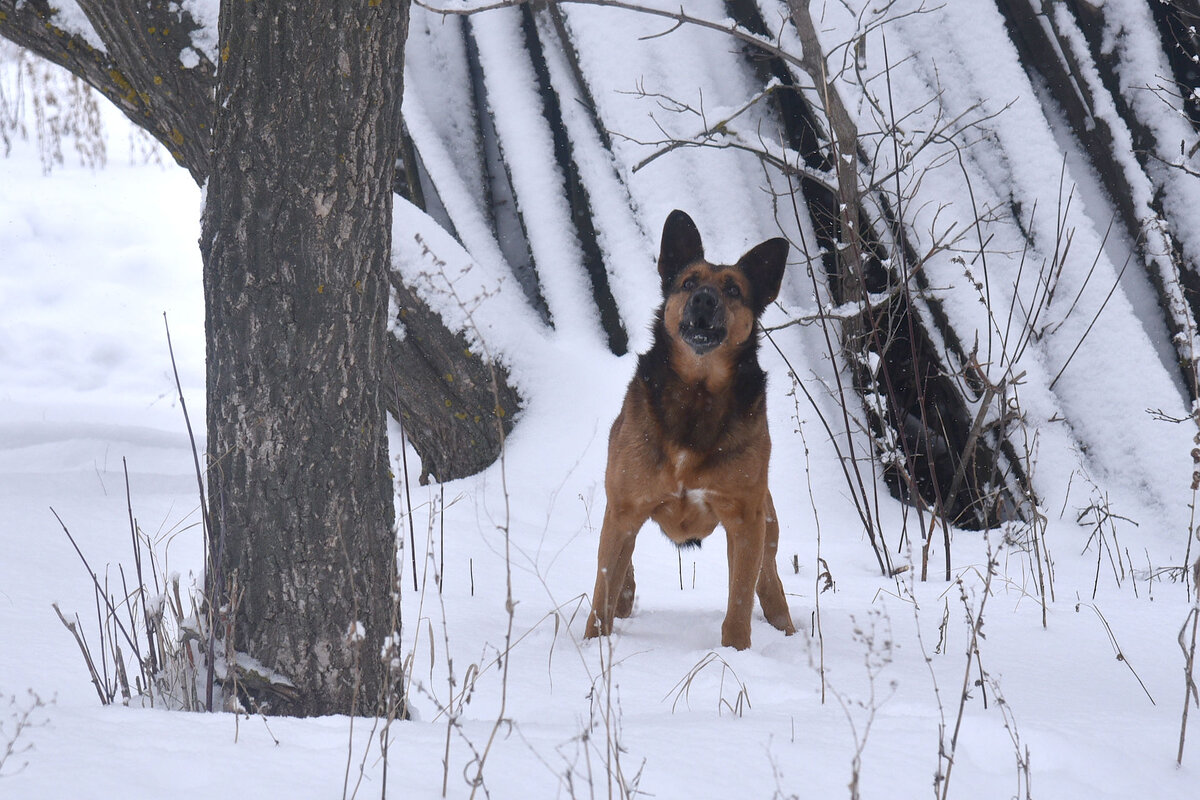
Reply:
x=296, y=243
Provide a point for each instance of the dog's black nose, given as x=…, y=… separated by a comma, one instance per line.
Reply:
x=703, y=322
x=703, y=306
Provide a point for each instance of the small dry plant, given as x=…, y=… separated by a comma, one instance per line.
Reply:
x=1101, y=522
x=735, y=704
x=1187, y=645
x=150, y=637
x=594, y=759
x=948, y=735
x=159, y=642
x=874, y=636
x=22, y=716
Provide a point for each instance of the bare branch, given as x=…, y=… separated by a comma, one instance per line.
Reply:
x=680, y=17
x=141, y=68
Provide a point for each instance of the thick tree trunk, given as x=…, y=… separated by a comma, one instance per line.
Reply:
x=296, y=243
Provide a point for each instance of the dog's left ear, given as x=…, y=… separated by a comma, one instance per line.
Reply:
x=681, y=246
x=763, y=265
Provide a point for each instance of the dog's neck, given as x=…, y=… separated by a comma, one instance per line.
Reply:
x=711, y=373
x=703, y=393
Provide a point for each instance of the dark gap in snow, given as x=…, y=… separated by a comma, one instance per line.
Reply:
x=434, y=206
x=1092, y=23
x=407, y=183
x=500, y=205
x=414, y=184
x=802, y=128
x=927, y=414
x=563, y=33
x=576, y=191
x=994, y=477
x=611, y=198
x=1043, y=59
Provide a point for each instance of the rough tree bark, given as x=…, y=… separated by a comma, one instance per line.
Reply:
x=297, y=243
x=464, y=398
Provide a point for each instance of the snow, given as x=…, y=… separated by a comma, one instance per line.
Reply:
x=92, y=260
x=189, y=58
x=205, y=13
x=515, y=105
x=70, y=18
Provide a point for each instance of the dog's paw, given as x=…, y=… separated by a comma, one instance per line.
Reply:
x=735, y=636
x=782, y=622
x=596, y=627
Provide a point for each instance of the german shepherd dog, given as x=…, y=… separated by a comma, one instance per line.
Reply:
x=690, y=446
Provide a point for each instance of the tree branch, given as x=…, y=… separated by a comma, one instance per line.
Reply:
x=141, y=69
x=680, y=17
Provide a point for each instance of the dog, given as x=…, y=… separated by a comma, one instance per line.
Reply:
x=690, y=446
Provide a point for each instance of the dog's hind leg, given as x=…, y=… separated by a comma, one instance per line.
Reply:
x=770, y=587
x=613, y=595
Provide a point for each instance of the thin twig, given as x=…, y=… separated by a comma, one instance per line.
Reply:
x=1190, y=693
x=87, y=656
x=1116, y=646
x=100, y=590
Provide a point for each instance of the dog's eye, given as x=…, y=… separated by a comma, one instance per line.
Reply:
x=690, y=283
x=733, y=290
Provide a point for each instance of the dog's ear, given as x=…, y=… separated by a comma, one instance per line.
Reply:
x=680, y=246
x=763, y=265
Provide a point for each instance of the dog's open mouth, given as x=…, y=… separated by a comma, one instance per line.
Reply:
x=701, y=339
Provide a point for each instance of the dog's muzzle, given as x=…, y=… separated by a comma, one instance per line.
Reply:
x=703, y=322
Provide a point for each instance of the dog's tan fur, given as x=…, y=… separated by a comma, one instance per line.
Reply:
x=690, y=446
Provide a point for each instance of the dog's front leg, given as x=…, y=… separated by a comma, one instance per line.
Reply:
x=613, y=595
x=770, y=587
x=745, y=534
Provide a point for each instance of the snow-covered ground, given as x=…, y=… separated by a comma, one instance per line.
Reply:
x=1086, y=706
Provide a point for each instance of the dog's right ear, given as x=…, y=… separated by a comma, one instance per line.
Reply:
x=680, y=246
